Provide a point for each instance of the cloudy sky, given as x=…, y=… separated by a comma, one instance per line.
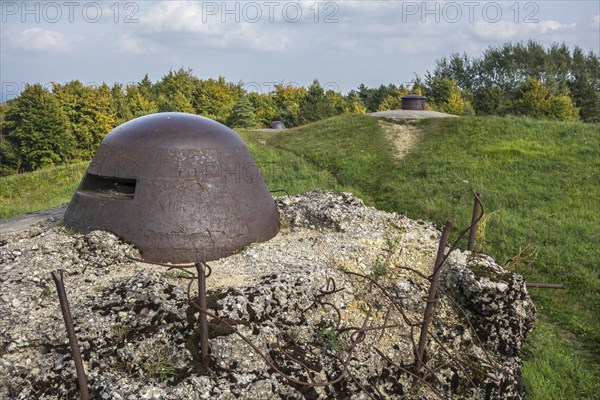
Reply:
x=341, y=43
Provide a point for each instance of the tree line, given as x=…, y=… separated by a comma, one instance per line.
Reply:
x=66, y=122
x=521, y=79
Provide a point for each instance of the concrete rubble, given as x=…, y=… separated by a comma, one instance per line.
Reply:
x=136, y=328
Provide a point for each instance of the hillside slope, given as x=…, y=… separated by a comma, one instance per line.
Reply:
x=540, y=183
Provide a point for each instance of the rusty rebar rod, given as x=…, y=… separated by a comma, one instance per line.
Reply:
x=545, y=285
x=202, y=319
x=474, y=220
x=267, y=359
x=432, y=297
x=75, y=352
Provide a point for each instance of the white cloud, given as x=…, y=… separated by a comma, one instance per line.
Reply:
x=209, y=27
x=37, y=39
x=132, y=45
x=259, y=39
x=508, y=30
x=177, y=16
x=550, y=26
x=373, y=41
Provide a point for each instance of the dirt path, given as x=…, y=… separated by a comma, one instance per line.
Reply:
x=404, y=137
x=45, y=218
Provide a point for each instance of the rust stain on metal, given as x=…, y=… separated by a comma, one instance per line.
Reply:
x=475, y=217
x=202, y=320
x=432, y=297
x=545, y=285
x=181, y=187
x=277, y=125
x=413, y=102
x=75, y=352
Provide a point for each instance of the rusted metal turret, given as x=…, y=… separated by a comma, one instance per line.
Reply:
x=413, y=102
x=182, y=188
x=277, y=125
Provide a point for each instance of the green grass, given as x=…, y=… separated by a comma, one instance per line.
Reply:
x=346, y=146
x=540, y=184
x=159, y=367
x=39, y=190
x=282, y=169
x=540, y=179
x=50, y=187
x=330, y=339
x=552, y=371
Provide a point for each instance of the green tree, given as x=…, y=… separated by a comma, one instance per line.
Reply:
x=445, y=96
x=101, y=116
x=183, y=81
x=315, y=105
x=138, y=103
x=380, y=99
x=73, y=98
x=10, y=160
x=459, y=68
x=365, y=94
x=336, y=100
x=557, y=68
x=561, y=107
x=148, y=89
x=494, y=81
x=456, y=104
x=174, y=92
x=493, y=100
x=534, y=100
x=353, y=103
x=119, y=104
x=287, y=100
x=175, y=102
x=390, y=103
x=537, y=101
x=3, y=110
x=584, y=84
x=214, y=98
x=264, y=107
x=242, y=114
x=90, y=112
x=38, y=129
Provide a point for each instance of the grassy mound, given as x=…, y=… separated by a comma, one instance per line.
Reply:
x=540, y=185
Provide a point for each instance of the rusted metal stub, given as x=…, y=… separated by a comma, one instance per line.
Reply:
x=545, y=285
x=432, y=297
x=202, y=320
x=475, y=217
x=75, y=352
x=180, y=187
